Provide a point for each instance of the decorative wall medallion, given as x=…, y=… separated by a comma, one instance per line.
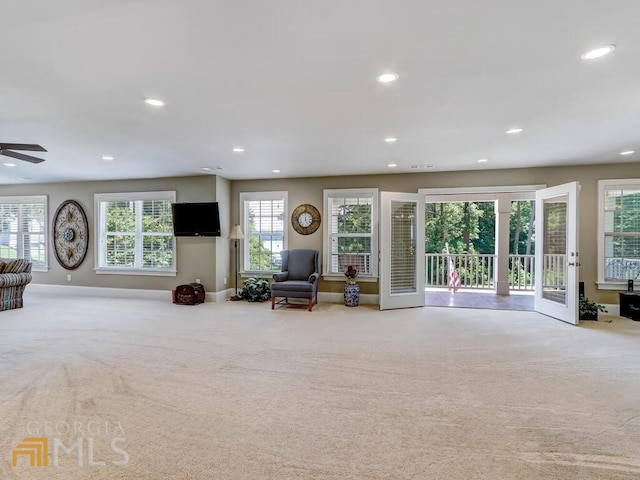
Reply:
x=305, y=219
x=70, y=234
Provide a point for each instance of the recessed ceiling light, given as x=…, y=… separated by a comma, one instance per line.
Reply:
x=513, y=131
x=209, y=169
x=154, y=102
x=391, y=139
x=238, y=149
x=627, y=152
x=483, y=160
x=275, y=170
x=387, y=77
x=107, y=158
x=392, y=165
x=8, y=164
x=598, y=52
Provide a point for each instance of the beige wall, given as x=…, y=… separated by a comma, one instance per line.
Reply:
x=310, y=190
x=196, y=257
x=211, y=259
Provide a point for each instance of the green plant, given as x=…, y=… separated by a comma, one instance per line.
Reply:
x=255, y=290
x=589, y=309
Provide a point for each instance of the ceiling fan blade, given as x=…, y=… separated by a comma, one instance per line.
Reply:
x=22, y=146
x=20, y=156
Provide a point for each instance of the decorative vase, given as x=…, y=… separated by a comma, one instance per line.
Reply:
x=351, y=294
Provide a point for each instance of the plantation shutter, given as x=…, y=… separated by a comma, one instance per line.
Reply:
x=157, y=234
x=622, y=233
x=351, y=232
x=23, y=229
x=403, y=247
x=136, y=232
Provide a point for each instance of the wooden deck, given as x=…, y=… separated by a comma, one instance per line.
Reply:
x=478, y=299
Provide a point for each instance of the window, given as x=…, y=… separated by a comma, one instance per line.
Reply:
x=619, y=233
x=351, y=232
x=23, y=229
x=135, y=233
x=263, y=225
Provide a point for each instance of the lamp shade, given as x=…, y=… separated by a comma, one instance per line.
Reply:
x=236, y=233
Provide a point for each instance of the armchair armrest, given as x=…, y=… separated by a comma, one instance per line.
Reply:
x=313, y=278
x=281, y=276
x=14, y=279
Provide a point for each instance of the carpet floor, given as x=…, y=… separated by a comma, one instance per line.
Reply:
x=142, y=389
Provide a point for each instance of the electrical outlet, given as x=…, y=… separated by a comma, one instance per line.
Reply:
x=224, y=281
x=69, y=278
x=197, y=280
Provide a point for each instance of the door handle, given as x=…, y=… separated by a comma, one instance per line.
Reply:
x=577, y=264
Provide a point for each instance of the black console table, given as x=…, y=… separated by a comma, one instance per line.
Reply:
x=630, y=306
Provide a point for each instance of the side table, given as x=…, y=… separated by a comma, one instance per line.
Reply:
x=351, y=295
x=630, y=306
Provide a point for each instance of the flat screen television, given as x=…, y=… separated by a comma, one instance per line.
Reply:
x=196, y=219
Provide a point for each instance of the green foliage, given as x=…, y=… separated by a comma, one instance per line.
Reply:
x=486, y=239
x=626, y=219
x=469, y=227
x=354, y=220
x=261, y=258
x=458, y=223
x=255, y=290
x=589, y=309
x=521, y=227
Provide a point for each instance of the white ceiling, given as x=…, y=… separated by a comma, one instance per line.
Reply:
x=293, y=82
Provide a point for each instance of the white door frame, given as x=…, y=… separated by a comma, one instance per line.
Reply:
x=502, y=196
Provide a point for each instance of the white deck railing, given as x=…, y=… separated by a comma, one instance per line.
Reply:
x=478, y=271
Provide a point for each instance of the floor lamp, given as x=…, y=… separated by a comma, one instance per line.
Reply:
x=235, y=235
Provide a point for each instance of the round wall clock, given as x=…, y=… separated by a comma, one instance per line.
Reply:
x=305, y=219
x=70, y=234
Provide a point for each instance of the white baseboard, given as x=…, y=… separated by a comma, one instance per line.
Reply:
x=335, y=297
x=69, y=290
x=221, y=296
x=612, y=309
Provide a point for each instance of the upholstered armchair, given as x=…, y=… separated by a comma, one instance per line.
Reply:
x=15, y=274
x=299, y=277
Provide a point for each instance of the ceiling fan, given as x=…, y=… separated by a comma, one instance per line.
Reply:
x=6, y=149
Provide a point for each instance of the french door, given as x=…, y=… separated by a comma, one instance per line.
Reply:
x=402, y=258
x=557, y=260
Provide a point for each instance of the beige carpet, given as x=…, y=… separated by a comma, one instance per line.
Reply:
x=237, y=391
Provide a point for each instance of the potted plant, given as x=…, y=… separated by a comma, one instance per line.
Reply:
x=588, y=309
x=255, y=290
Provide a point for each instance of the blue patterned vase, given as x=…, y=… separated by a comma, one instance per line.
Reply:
x=351, y=295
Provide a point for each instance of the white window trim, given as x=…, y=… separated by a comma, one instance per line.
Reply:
x=481, y=190
x=602, y=186
x=329, y=193
x=99, y=241
x=253, y=196
x=15, y=199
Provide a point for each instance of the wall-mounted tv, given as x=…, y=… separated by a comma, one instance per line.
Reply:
x=197, y=219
